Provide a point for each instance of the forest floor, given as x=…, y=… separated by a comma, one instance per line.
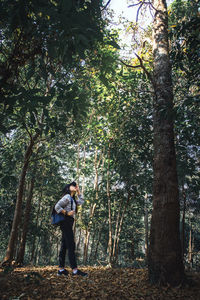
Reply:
x=101, y=283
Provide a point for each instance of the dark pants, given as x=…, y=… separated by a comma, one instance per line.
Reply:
x=67, y=242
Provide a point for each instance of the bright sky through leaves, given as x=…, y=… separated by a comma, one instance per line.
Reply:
x=122, y=12
x=120, y=7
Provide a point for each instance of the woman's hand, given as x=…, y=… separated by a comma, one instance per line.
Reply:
x=70, y=213
x=77, y=189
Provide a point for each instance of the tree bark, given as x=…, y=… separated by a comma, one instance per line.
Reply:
x=98, y=241
x=84, y=163
x=78, y=181
x=116, y=229
x=93, y=207
x=87, y=235
x=92, y=247
x=17, y=215
x=120, y=226
x=190, y=250
x=20, y=256
x=79, y=240
x=34, y=237
x=183, y=222
x=78, y=164
x=146, y=226
x=109, y=210
x=165, y=263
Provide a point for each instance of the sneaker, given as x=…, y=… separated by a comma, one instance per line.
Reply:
x=80, y=273
x=63, y=272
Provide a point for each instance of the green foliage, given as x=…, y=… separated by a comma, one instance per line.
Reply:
x=39, y=39
x=185, y=41
x=94, y=117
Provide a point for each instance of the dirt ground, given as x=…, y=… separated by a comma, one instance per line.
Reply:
x=101, y=283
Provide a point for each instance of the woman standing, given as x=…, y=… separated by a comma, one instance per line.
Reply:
x=67, y=206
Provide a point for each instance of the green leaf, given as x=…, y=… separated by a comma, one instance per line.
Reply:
x=114, y=44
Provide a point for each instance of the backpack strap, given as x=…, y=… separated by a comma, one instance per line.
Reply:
x=72, y=199
x=71, y=202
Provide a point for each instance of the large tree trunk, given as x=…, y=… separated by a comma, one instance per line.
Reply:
x=164, y=259
x=20, y=256
x=17, y=215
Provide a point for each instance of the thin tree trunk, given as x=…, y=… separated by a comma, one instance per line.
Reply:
x=190, y=247
x=109, y=210
x=78, y=164
x=165, y=263
x=87, y=235
x=19, y=232
x=98, y=241
x=34, y=238
x=190, y=243
x=17, y=214
x=183, y=222
x=37, y=252
x=116, y=228
x=20, y=257
x=78, y=179
x=146, y=226
x=79, y=240
x=120, y=225
x=92, y=210
x=84, y=161
x=92, y=247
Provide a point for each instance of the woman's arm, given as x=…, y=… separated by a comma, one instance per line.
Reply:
x=80, y=199
x=63, y=202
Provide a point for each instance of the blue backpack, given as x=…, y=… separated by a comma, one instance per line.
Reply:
x=57, y=218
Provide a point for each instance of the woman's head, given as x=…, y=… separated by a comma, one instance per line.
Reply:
x=70, y=188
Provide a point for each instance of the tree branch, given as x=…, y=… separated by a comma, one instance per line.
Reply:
x=106, y=5
x=140, y=4
x=141, y=65
x=129, y=66
x=138, y=11
x=26, y=128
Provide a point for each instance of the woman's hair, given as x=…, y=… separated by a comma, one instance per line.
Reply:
x=66, y=189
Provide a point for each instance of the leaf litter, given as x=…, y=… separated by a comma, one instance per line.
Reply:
x=101, y=283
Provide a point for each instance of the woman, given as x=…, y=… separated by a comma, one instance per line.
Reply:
x=67, y=206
